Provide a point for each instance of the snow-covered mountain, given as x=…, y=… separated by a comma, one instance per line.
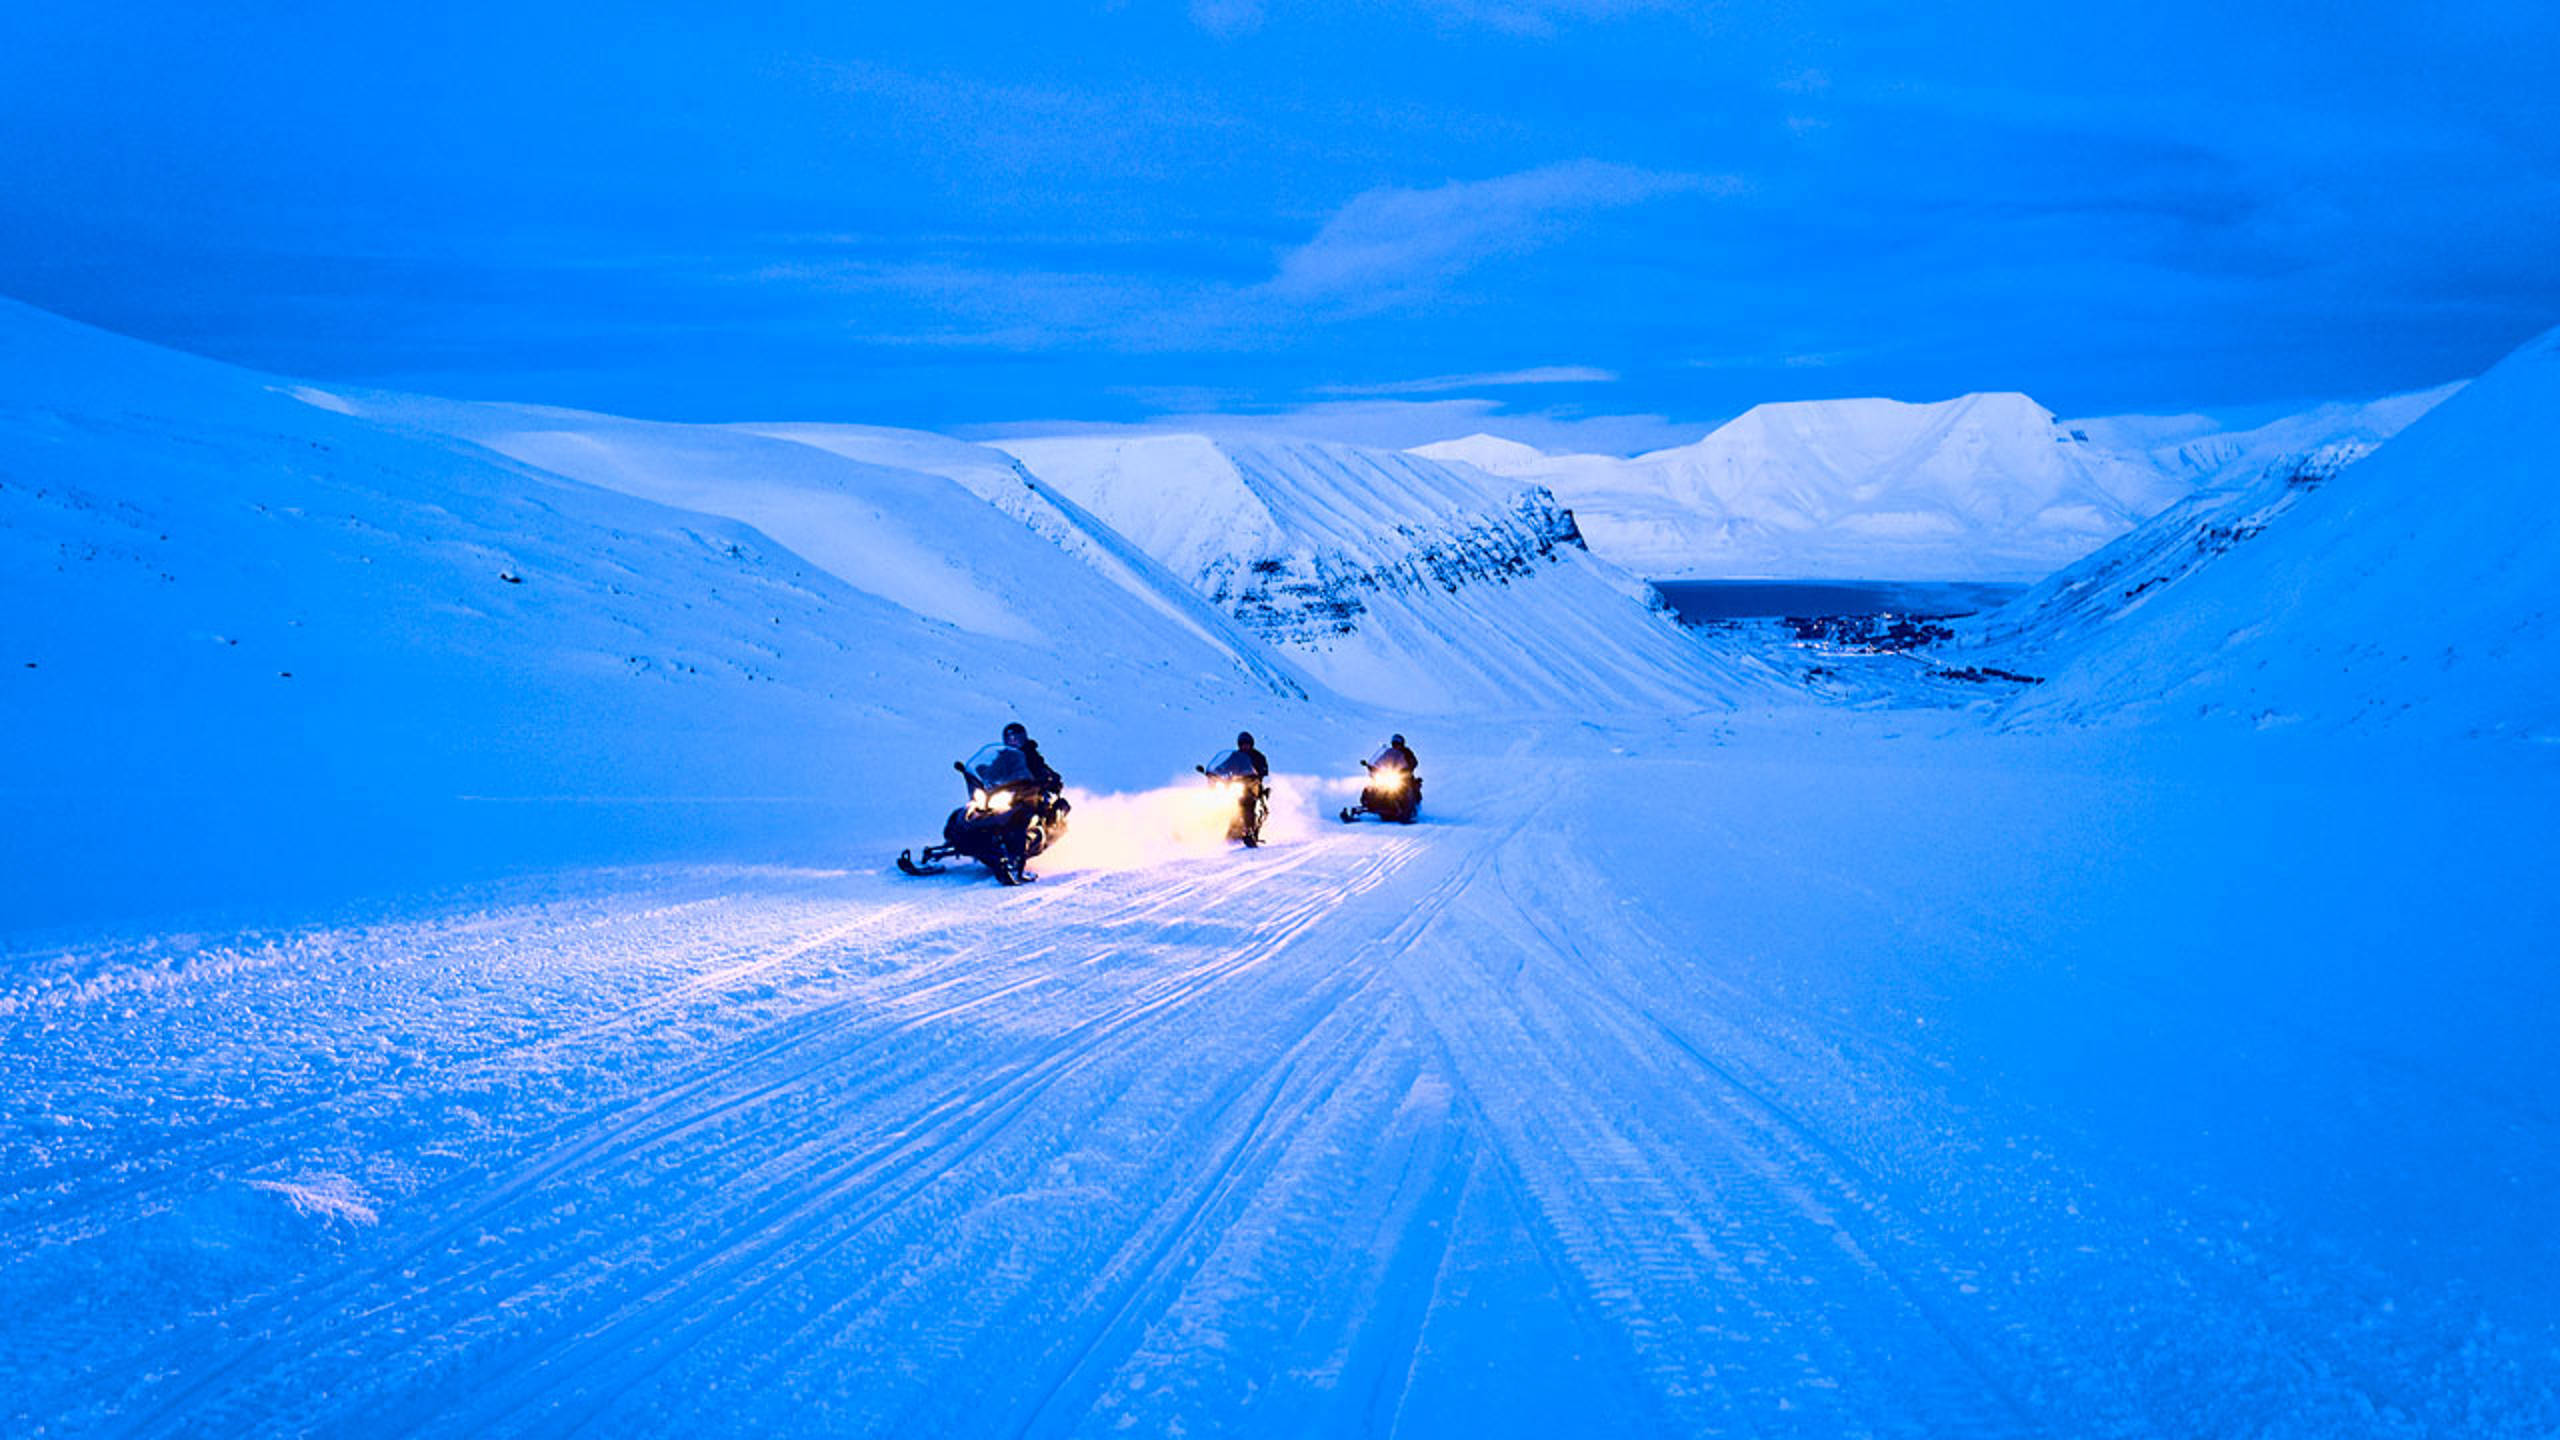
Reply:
x=2247, y=478
x=1390, y=576
x=2323, y=439
x=1985, y=487
x=1981, y=487
x=300, y=642
x=327, y=633
x=2411, y=588
x=876, y=507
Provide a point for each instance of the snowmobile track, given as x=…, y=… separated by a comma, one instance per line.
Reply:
x=1371, y=1132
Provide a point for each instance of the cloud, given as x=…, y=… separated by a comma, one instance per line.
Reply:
x=1782, y=360
x=1489, y=380
x=1541, y=17
x=1393, y=244
x=1386, y=247
x=1390, y=425
x=1225, y=18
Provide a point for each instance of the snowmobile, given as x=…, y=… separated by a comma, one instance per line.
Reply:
x=1011, y=816
x=1393, y=792
x=1233, y=773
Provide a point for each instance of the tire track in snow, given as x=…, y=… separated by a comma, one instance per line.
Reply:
x=954, y=1134
x=1161, y=996
x=1837, y=1192
x=219, y=1144
x=1660, y=1194
x=1071, y=1396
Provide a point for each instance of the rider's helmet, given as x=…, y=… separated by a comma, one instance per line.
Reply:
x=1396, y=740
x=1244, y=739
x=1014, y=734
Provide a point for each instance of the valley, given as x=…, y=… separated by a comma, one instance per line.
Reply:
x=452, y=980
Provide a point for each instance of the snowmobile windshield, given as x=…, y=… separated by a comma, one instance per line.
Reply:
x=999, y=765
x=1232, y=763
x=1380, y=761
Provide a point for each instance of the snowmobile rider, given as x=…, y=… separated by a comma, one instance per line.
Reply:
x=1244, y=747
x=1251, y=784
x=1395, y=757
x=1018, y=738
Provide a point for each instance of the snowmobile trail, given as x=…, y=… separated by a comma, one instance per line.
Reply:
x=1519, y=1121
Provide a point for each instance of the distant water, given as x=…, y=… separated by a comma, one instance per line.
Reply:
x=1699, y=601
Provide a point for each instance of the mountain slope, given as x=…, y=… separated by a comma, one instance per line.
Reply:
x=2246, y=479
x=1001, y=481
x=2325, y=438
x=2411, y=589
x=948, y=530
x=1980, y=487
x=313, y=651
x=1390, y=577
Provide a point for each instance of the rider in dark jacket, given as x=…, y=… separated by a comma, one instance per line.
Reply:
x=1396, y=757
x=1244, y=747
x=1252, y=801
x=1020, y=739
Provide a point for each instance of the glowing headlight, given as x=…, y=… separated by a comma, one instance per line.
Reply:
x=999, y=802
x=1392, y=781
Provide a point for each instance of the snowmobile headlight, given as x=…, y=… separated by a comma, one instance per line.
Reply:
x=1392, y=781
x=999, y=802
x=977, y=801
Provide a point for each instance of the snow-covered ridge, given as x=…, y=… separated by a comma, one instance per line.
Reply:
x=1002, y=481
x=1982, y=487
x=2249, y=477
x=325, y=639
x=2411, y=588
x=1391, y=576
x=949, y=530
x=2325, y=438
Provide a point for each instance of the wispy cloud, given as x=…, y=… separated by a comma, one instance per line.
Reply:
x=1541, y=17
x=1392, y=425
x=1393, y=244
x=1226, y=18
x=1384, y=248
x=1487, y=380
x=1781, y=360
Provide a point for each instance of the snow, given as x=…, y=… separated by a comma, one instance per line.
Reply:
x=2328, y=436
x=1394, y=579
x=2407, y=589
x=1492, y=454
x=1982, y=487
x=1891, y=1098
x=509, y=1024
x=897, y=534
x=315, y=653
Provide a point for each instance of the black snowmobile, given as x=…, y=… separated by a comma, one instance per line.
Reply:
x=1233, y=773
x=1011, y=816
x=1394, y=791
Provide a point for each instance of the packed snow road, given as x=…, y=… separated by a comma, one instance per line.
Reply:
x=1667, y=1081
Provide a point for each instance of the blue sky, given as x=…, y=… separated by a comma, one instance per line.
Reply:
x=1603, y=222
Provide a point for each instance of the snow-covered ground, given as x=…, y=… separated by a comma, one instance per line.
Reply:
x=505, y=1022
x=1674, y=1078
